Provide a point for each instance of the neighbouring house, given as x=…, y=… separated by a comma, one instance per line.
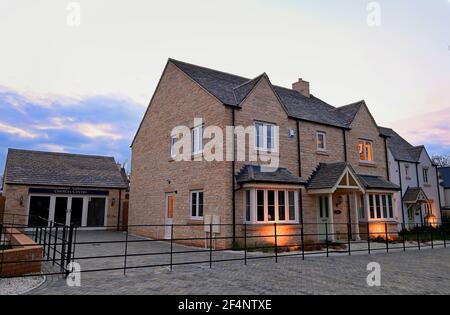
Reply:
x=83, y=190
x=333, y=169
x=445, y=191
x=412, y=169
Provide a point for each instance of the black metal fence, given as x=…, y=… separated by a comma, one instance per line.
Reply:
x=63, y=244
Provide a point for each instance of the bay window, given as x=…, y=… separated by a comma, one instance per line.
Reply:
x=380, y=206
x=270, y=206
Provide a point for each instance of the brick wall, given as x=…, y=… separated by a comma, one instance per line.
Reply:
x=2, y=207
x=177, y=101
x=23, y=249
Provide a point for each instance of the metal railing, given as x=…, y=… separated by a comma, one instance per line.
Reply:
x=251, y=242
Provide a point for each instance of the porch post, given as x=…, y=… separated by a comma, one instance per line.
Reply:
x=355, y=198
x=330, y=208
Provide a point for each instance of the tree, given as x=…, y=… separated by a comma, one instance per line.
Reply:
x=441, y=160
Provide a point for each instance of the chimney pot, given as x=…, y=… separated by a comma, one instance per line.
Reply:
x=302, y=87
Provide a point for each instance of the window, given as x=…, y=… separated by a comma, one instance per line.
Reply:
x=362, y=212
x=428, y=209
x=425, y=175
x=265, y=135
x=197, y=140
x=380, y=206
x=271, y=206
x=173, y=142
x=365, y=148
x=407, y=170
x=248, y=205
x=323, y=207
x=321, y=141
x=197, y=204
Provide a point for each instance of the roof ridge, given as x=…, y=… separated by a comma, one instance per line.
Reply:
x=206, y=68
x=59, y=153
x=249, y=81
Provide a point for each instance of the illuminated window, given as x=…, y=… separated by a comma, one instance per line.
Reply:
x=380, y=206
x=321, y=141
x=271, y=206
x=365, y=149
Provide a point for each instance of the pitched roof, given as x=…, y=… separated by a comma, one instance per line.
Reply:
x=62, y=169
x=414, y=194
x=254, y=173
x=445, y=175
x=327, y=175
x=376, y=182
x=231, y=90
x=401, y=149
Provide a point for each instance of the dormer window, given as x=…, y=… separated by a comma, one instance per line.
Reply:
x=365, y=148
x=321, y=139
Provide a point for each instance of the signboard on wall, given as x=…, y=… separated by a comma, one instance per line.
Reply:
x=68, y=191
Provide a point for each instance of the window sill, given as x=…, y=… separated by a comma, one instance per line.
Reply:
x=325, y=153
x=198, y=221
x=367, y=164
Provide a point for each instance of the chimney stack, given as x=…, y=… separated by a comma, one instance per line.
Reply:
x=302, y=87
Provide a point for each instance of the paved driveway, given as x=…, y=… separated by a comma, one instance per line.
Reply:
x=413, y=272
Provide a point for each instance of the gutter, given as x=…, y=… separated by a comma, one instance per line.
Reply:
x=387, y=159
x=233, y=182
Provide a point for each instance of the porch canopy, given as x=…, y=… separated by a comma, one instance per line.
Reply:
x=328, y=178
x=415, y=195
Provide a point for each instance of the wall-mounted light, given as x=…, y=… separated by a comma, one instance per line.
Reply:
x=113, y=202
x=21, y=201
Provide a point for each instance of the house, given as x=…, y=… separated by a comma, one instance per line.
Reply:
x=445, y=191
x=331, y=177
x=82, y=190
x=412, y=169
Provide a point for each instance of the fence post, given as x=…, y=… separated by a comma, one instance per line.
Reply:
x=403, y=237
x=40, y=235
x=69, y=249
x=171, y=247
x=349, y=235
x=387, y=237
x=418, y=236
x=36, y=235
x=303, y=241
x=63, y=248
x=49, y=240
x=276, y=242
x=326, y=239
x=55, y=244
x=368, y=237
x=126, y=252
x=245, y=244
x=210, y=244
x=431, y=236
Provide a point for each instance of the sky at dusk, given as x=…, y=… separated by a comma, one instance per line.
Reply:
x=84, y=89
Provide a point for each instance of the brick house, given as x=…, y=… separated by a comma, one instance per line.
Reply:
x=82, y=190
x=444, y=173
x=410, y=167
x=333, y=161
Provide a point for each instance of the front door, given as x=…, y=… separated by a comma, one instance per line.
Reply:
x=61, y=210
x=324, y=218
x=76, y=211
x=170, y=199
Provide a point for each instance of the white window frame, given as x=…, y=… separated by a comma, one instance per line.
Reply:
x=173, y=141
x=324, y=134
x=197, y=138
x=254, y=206
x=197, y=206
x=365, y=142
x=263, y=134
x=373, y=197
x=425, y=175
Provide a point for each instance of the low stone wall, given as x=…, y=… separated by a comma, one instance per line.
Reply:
x=23, y=249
